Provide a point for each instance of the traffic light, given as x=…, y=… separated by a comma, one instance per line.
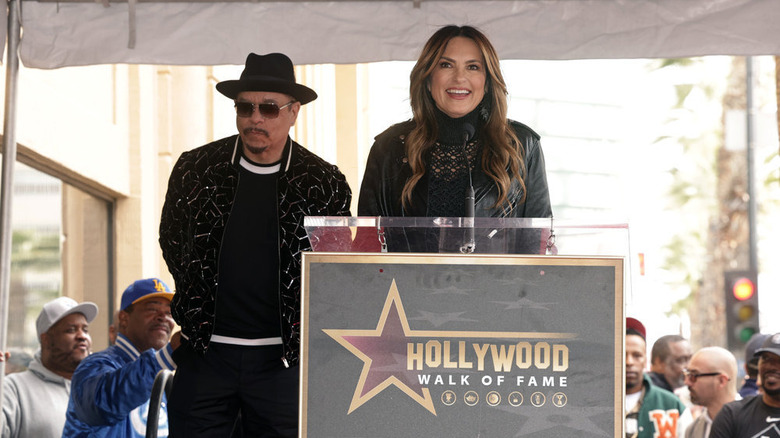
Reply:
x=741, y=308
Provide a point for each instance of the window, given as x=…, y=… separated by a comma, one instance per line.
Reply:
x=60, y=246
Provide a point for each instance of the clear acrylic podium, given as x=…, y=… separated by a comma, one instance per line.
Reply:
x=480, y=235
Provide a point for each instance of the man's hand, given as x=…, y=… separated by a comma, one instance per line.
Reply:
x=176, y=339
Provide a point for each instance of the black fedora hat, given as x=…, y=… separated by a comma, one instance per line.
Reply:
x=272, y=72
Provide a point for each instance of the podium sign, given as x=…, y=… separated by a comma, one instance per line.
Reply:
x=434, y=345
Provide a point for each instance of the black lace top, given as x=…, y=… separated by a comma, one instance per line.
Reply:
x=449, y=165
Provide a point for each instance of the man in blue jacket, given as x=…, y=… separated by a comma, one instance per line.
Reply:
x=110, y=390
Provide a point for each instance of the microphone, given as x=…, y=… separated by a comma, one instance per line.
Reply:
x=468, y=132
x=468, y=246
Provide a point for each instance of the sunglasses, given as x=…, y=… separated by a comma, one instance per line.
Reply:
x=267, y=110
x=693, y=376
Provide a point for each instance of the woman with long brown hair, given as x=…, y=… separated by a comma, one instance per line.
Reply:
x=459, y=139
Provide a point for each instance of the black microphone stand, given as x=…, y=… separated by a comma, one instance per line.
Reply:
x=470, y=244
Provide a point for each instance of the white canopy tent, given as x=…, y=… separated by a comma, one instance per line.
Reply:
x=50, y=35
x=58, y=34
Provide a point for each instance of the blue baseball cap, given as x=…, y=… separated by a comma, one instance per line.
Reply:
x=143, y=289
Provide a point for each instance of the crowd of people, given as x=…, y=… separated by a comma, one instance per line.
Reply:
x=70, y=391
x=232, y=234
x=694, y=395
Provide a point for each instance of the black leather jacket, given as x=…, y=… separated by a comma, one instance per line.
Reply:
x=387, y=170
x=200, y=196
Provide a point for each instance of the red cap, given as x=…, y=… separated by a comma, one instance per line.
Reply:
x=634, y=327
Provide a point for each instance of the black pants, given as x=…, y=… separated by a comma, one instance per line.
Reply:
x=209, y=392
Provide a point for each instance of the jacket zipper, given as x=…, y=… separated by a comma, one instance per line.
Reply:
x=279, y=279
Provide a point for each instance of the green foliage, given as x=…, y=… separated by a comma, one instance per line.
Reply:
x=770, y=202
x=773, y=176
x=35, y=260
x=675, y=62
x=683, y=91
x=693, y=139
x=35, y=250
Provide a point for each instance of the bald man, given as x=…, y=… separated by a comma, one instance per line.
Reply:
x=711, y=379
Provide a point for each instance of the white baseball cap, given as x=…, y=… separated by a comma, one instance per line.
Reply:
x=61, y=307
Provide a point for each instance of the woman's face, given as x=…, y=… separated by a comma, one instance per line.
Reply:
x=457, y=83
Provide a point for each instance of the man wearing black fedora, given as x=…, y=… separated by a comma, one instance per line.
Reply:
x=231, y=233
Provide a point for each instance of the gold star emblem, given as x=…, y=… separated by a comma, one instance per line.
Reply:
x=383, y=352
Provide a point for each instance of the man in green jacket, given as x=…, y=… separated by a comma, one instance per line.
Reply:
x=650, y=411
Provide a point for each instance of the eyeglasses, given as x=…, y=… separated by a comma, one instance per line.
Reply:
x=267, y=110
x=692, y=375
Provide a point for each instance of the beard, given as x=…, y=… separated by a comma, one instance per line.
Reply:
x=634, y=384
x=678, y=382
x=774, y=393
x=67, y=358
x=256, y=150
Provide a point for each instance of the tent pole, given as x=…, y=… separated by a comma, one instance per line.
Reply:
x=9, y=158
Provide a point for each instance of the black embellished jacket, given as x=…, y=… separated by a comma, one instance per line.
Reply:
x=200, y=196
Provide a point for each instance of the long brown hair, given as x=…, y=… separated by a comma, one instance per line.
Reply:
x=502, y=153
